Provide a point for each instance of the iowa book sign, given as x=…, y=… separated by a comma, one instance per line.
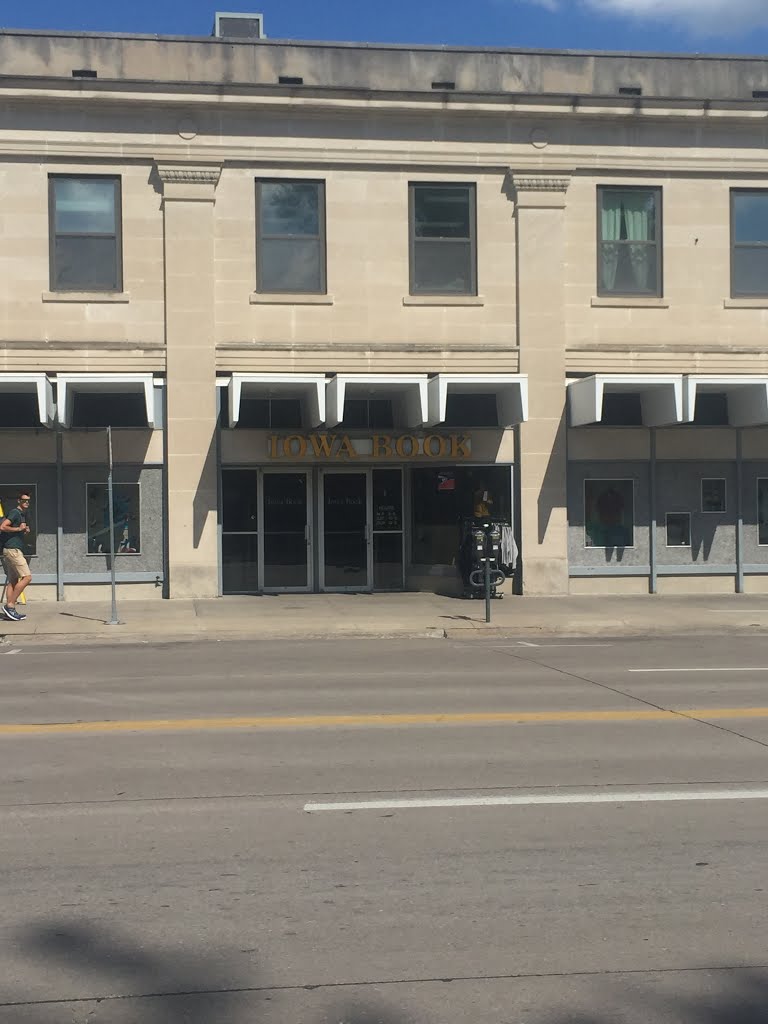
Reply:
x=332, y=447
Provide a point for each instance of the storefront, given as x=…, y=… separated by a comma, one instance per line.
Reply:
x=359, y=503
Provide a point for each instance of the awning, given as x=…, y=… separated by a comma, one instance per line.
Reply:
x=31, y=384
x=661, y=397
x=747, y=397
x=407, y=391
x=510, y=389
x=71, y=384
x=309, y=387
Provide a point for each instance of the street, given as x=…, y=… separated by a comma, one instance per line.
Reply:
x=495, y=831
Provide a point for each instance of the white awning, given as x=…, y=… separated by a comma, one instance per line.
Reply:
x=510, y=389
x=407, y=391
x=661, y=397
x=309, y=387
x=70, y=384
x=747, y=397
x=31, y=384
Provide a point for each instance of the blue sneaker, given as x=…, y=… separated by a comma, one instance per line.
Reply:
x=12, y=614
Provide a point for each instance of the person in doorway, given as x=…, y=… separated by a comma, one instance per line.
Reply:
x=13, y=529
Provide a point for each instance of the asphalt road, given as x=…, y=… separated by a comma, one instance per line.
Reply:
x=385, y=832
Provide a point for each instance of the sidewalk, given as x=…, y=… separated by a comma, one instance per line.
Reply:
x=304, y=616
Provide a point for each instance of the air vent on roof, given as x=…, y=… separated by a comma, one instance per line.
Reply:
x=630, y=90
x=290, y=80
x=443, y=85
x=760, y=94
x=238, y=26
x=84, y=73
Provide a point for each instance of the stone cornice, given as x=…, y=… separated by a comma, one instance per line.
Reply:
x=539, y=182
x=192, y=175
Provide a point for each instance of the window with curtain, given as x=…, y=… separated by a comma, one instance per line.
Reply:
x=290, y=244
x=749, y=243
x=85, y=234
x=629, y=234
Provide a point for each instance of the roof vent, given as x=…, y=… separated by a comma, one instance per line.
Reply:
x=84, y=73
x=238, y=26
x=630, y=90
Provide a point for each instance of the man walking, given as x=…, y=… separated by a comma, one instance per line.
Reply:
x=13, y=529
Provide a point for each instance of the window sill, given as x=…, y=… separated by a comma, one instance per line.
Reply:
x=752, y=303
x=443, y=300
x=289, y=299
x=630, y=302
x=86, y=296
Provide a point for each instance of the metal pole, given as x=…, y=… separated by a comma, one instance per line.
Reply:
x=59, y=515
x=739, y=513
x=487, y=576
x=114, y=621
x=653, y=562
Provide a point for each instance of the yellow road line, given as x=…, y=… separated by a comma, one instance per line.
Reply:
x=332, y=721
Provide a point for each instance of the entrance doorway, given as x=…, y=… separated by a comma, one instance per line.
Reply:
x=361, y=530
x=266, y=531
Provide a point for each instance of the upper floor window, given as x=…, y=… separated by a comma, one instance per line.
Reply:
x=749, y=243
x=85, y=234
x=443, y=240
x=629, y=237
x=290, y=248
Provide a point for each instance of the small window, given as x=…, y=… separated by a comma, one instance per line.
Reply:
x=85, y=234
x=629, y=235
x=368, y=413
x=711, y=409
x=290, y=245
x=126, y=510
x=762, y=510
x=471, y=410
x=749, y=243
x=609, y=513
x=713, y=494
x=622, y=410
x=109, y=410
x=678, y=529
x=270, y=413
x=442, y=240
x=9, y=499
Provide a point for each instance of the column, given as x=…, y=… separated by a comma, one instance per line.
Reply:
x=540, y=201
x=190, y=427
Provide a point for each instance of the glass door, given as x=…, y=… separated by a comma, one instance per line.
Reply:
x=285, y=532
x=387, y=523
x=240, y=531
x=344, y=530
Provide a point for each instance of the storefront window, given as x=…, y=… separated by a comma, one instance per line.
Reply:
x=762, y=510
x=442, y=496
x=609, y=513
x=678, y=529
x=126, y=506
x=9, y=498
x=712, y=494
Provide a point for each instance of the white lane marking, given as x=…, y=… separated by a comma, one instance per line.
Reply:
x=546, y=647
x=617, y=797
x=16, y=650
x=756, y=668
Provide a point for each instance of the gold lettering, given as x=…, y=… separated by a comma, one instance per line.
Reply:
x=459, y=446
x=345, y=448
x=273, y=446
x=382, y=446
x=400, y=446
x=295, y=446
x=322, y=444
x=442, y=446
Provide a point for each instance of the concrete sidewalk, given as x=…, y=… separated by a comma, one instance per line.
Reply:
x=302, y=616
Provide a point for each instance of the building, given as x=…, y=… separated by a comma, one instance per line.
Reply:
x=327, y=293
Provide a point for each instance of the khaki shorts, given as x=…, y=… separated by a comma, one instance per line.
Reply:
x=15, y=565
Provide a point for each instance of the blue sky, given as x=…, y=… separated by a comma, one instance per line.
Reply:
x=715, y=26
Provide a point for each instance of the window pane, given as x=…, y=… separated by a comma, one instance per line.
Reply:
x=126, y=513
x=678, y=529
x=628, y=215
x=628, y=268
x=622, y=410
x=290, y=266
x=86, y=264
x=711, y=409
x=750, y=271
x=609, y=513
x=290, y=208
x=84, y=206
x=240, y=563
x=442, y=268
x=762, y=510
x=387, y=500
x=19, y=411
x=478, y=410
x=285, y=413
x=254, y=413
x=355, y=412
x=750, y=217
x=239, y=497
x=441, y=212
x=109, y=410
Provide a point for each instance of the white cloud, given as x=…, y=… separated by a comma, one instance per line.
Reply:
x=706, y=17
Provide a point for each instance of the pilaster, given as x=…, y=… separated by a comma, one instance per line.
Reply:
x=540, y=203
x=189, y=193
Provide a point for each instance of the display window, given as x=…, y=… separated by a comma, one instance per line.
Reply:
x=126, y=506
x=609, y=513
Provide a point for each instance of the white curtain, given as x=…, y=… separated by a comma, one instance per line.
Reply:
x=611, y=232
x=637, y=220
